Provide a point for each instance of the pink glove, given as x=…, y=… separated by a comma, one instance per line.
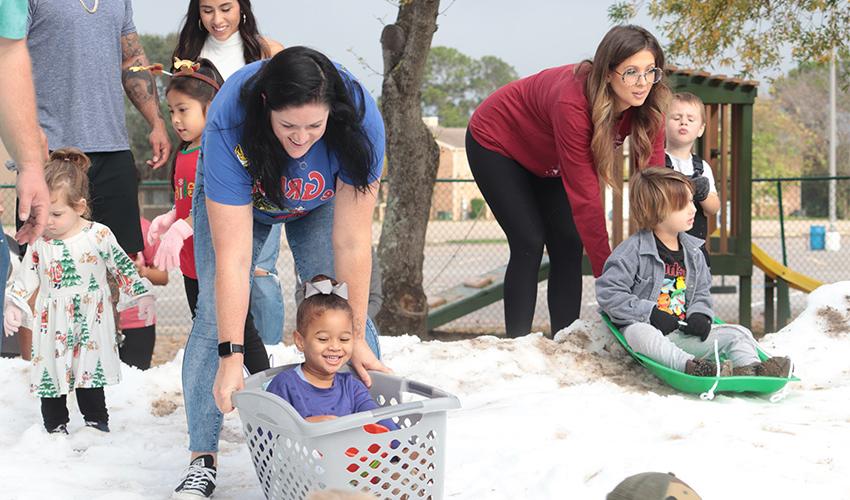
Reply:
x=160, y=225
x=147, y=309
x=12, y=319
x=168, y=254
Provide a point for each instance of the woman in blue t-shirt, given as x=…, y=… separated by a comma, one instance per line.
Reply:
x=293, y=140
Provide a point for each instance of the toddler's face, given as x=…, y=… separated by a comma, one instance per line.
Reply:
x=684, y=123
x=681, y=220
x=328, y=342
x=63, y=218
x=187, y=116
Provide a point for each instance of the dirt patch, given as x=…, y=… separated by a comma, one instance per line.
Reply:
x=837, y=324
x=610, y=363
x=167, y=404
x=166, y=348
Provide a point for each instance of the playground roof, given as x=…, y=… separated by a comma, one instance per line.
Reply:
x=713, y=89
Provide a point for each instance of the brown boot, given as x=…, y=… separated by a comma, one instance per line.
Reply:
x=777, y=366
x=751, y=370
x=707, y=368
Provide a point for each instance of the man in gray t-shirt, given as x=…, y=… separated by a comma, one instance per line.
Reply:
x=81, y=52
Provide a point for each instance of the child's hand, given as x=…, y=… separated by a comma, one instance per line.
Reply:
x=147, y=309
x=12, y=319
x=168, y=254
x=160, y=224
x=699, y=325
x=701, y=188
x=665, y=322
x=320, y=418
x=139, y=262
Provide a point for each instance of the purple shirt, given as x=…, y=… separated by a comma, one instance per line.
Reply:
x=347, y=395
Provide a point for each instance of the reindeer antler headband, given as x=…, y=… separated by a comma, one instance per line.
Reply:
x=185, y=69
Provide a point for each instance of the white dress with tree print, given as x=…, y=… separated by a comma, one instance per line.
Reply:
x=73, y=339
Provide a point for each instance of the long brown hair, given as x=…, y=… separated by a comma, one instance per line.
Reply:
x=193, y=35
x=620, y=43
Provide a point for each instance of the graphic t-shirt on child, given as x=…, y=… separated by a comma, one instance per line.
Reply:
x=306, y=183
x=672, y=297
x=184, y=189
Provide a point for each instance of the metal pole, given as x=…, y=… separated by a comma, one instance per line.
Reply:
x=833, y=139
x=781, y=223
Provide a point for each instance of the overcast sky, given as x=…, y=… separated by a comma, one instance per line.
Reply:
x=530, y=35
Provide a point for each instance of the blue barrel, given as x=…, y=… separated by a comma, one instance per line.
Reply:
x=817, y=237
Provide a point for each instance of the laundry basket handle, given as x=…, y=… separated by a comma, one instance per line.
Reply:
x=370, y=417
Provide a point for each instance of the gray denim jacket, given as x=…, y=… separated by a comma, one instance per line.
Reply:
x=634, y=273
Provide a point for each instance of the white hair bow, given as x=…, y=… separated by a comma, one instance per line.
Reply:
x=325, y=287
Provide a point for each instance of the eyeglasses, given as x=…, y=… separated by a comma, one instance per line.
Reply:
x=631, y=77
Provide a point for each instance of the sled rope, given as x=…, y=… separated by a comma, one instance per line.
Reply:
x=709, y=395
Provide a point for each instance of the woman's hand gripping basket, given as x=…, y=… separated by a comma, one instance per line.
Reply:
x=294, y=457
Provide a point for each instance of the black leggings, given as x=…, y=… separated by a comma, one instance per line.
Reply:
x=137, y=348
x=533, y=212
x=92, y=403
x=255, y=358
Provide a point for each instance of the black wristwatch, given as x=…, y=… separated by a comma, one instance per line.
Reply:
x=226, y=349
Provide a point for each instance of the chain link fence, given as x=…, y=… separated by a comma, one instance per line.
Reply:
x=464, y=241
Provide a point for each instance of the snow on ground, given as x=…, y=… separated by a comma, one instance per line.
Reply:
x=540, y=419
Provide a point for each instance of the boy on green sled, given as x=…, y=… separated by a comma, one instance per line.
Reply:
x=655, y=287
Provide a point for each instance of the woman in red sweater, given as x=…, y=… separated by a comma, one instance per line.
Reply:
x=538, y=148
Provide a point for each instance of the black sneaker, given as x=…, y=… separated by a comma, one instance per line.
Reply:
x=101, y=426
x=198, y=480
x=59, y=429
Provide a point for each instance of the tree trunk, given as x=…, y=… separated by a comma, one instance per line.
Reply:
x=412, y=159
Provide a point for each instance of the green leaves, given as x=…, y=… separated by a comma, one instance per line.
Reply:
x=748, y=35
x=454, y=84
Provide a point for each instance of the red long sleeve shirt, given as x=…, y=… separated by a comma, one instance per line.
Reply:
x=543, y=122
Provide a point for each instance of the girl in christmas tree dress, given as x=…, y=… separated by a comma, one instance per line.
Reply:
x=74, y=346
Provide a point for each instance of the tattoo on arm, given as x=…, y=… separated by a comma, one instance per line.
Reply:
x=139, y=86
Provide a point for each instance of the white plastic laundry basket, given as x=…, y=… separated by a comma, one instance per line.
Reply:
x=294, y=457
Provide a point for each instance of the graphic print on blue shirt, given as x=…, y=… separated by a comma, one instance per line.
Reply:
x=311, y=180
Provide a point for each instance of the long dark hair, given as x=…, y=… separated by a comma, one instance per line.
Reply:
x=620, y=43
x=198, y=90
x=192, y=34
x=294, y=77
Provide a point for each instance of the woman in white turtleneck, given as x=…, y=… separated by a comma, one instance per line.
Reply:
x=225, y=32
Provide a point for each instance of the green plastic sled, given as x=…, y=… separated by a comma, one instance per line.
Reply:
x=703, y=385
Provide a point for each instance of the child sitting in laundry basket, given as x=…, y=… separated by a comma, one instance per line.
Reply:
x=325, y=334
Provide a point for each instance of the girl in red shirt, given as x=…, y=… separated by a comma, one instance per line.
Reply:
x=538, y=148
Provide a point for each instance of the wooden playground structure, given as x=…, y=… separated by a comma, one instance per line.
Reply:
x=727, y=146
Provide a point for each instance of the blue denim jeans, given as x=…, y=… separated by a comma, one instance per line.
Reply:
x=4, y=272
x=266, y=297
x=310, y=241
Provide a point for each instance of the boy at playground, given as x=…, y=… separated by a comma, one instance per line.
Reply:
x=685, y=124
x=655, y=287
x=325, y=334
